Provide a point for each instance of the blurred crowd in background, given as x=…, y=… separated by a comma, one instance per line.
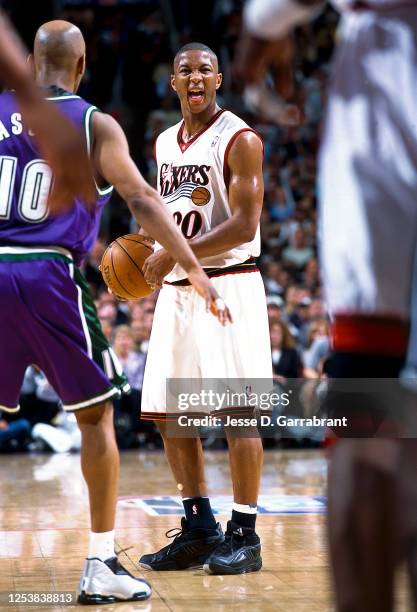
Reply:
x=130, y=46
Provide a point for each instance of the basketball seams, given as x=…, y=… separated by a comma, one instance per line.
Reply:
x=142, y=241
x=121, y=267
x=130, y=257
x=115, y=275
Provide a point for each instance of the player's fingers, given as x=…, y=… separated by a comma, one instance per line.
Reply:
x=146, y=271
x=221, y=311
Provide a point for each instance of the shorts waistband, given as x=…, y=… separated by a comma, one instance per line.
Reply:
x=247, y=266
x=14, y=252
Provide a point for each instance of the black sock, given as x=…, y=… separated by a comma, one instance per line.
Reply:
x=244, y=519
x=198, y=512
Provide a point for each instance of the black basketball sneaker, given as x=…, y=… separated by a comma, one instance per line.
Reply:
x=239, y=553
x=190, y=548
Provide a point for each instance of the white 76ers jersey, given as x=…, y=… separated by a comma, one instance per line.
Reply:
x=193, y=182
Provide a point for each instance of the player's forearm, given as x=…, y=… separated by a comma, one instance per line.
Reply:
x=152, y=217
x=273, y=19
x=228, y=235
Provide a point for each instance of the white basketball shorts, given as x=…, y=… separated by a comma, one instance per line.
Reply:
x=189, y=343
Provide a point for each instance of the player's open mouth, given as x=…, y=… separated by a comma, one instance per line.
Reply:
x=196, y=96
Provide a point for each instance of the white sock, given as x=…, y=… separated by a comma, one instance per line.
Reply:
x=101, y=545
x=245, y=508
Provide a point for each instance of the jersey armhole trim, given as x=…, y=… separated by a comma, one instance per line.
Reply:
x=226, y=172
x=88, y=127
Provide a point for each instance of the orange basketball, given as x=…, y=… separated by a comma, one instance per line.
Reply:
x=200, y=196
x=121, y=267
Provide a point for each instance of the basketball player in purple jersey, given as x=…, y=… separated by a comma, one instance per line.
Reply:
x=368, y=219
x=67, y=154
x=47, y=315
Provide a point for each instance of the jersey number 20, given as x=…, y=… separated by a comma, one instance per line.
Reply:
x=190, y=224
x=34, y=189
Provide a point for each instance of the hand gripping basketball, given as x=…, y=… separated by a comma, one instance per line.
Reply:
x=121, y=266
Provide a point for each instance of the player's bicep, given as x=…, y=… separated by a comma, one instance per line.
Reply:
x=246, y=186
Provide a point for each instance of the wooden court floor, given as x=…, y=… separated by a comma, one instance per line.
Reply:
x=44, y=534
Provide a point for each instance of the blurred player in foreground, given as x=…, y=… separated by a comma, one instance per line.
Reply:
x=47, y=314
x=210, y=179
x=368, y=217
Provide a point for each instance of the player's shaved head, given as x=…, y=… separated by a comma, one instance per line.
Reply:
x=195, y=46
x=59, y=45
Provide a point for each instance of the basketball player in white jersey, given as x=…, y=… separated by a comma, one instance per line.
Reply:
x=210, y=177
x=368, y=217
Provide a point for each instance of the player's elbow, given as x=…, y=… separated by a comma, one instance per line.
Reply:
x=141, y=202
x=247, y=232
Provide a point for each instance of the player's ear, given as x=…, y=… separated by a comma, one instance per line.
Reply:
x=173, y=82
x=31, y=62
x=81, y=65
x=219, y=80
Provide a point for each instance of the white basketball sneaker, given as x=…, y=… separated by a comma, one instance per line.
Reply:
x=105, y=582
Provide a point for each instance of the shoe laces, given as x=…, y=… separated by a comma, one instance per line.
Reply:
x=175, y=533
x=230, y=540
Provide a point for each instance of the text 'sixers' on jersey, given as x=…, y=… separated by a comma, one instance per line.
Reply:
x=193, y=182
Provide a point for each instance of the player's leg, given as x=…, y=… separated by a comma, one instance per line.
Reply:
x=104, y=580
x=172, y=354
x=186, y=460
x=100, y=468
x=241, y=550
x=199, y=532
x=244, y=353
x=67, y=344
x=361, y=523
x=368, y=225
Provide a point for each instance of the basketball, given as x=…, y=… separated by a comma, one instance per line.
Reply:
x=121, y=267
x=200, y=196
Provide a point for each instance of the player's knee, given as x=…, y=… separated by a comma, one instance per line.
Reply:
x=97, y=415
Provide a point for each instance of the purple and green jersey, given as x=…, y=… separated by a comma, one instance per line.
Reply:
x=47, y=314
x=25, y=182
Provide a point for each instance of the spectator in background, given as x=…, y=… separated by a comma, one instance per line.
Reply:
x=110, y=308
x=286, y=362
x=273, y=278
x=311, y=278
x=133, y=362
x=14, y=433
x=107, y=327
x=141, y=332
x=126, y=410
x=318, y=348
x=300, y=253
x=38, y=401
x=274, y=307
x=282, y=206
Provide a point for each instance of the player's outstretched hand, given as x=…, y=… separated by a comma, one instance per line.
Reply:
x=214, y=303
x=65, y=150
